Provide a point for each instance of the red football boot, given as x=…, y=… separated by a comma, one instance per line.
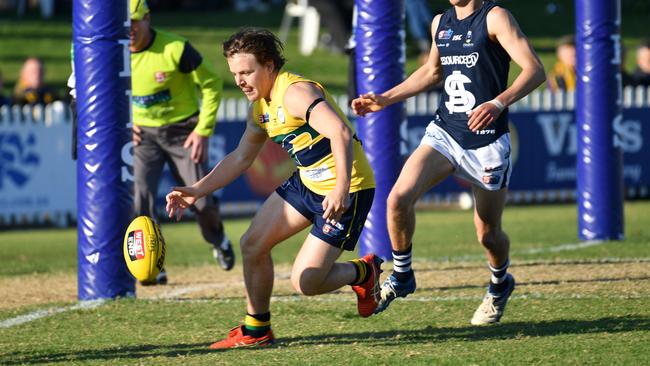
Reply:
x=237, y=338
x=369, y=292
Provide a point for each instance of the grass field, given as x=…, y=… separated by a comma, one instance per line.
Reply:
x=50, y=40
x=576, y=303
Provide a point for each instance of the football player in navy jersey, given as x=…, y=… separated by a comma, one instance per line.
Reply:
x=473, y=43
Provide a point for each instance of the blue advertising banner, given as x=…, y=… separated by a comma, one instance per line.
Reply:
x=37, y=176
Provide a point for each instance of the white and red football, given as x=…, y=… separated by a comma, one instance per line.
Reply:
x=144, y=248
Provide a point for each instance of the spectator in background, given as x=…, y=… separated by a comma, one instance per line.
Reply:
x=3, y=100
x=563, y=75
x=641, y=76
x=626, y=77
x=168, y=125
x=30, y=87
x=418, y=19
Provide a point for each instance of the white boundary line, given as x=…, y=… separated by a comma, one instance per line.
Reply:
x=554, y=249
x=38, y=314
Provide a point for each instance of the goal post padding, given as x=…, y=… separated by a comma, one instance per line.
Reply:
x=379, y=63
x=104, y=203
x=599, y=115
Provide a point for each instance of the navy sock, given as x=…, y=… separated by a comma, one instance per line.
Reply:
x=498, y=281
x=402, y=270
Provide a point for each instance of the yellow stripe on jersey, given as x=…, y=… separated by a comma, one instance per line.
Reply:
x=310, y=150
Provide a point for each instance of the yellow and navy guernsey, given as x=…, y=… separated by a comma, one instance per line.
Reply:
x=309, y=149
x=165, y=76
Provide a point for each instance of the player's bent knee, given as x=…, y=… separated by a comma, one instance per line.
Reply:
x=398, y=202
x=250, y=247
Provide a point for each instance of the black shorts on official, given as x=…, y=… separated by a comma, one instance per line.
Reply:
x=346, y=232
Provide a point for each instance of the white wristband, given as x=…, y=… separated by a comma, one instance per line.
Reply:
x=497, y=104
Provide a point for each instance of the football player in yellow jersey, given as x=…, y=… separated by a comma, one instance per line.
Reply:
x=332, y=190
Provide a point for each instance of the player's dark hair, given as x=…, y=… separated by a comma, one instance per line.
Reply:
x=259, y=42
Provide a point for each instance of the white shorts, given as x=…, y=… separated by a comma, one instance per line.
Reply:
x=488, y=167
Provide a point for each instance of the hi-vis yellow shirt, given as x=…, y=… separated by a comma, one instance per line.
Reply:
x=309, y=149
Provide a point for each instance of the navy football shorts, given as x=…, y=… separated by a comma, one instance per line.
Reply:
x=345, y=233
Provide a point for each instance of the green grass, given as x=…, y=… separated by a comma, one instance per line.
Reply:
x=50, y=40
x=440, y=235
x=135, y=332
x=584, y=306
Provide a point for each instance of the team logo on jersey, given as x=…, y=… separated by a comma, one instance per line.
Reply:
x=281, y=116
x=491, y=179
x=263, y=118
x=460, y=100
x=333, y=228
x=490, y=169
x=445, y=34
x=160, y=76
x=468, y=40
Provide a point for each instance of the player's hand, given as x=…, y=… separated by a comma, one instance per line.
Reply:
x=137, y=135
x=335, y=204
x=179, y=199
x=367, y=103
x=199, y=145
x=481, y=116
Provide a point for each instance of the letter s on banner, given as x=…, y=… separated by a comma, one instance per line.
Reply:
x=127, y=159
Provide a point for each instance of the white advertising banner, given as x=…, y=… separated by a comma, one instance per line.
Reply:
x=37, y=173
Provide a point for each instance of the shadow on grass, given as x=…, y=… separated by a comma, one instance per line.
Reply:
x=385, y=338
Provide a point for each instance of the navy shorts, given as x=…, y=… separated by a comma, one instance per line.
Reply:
x=346, y=232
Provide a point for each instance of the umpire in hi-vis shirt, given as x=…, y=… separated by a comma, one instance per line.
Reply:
x=169, y=125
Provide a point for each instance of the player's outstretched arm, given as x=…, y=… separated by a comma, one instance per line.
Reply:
x=422, y=79
x=227, y=170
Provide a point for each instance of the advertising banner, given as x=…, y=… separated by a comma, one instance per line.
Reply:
x=37, y=176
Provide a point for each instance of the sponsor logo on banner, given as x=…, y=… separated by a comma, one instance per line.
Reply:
x=445, y=34
x=17, y=158
x=135, y=245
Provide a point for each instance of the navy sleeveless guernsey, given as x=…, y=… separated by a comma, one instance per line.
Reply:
x=474, y=71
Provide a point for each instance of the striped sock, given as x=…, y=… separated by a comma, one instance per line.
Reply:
x=257, y=325
x=402, y=264
x=497, y=283
x=362, y=271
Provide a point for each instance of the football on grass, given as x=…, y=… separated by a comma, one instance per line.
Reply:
x=144, y=248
